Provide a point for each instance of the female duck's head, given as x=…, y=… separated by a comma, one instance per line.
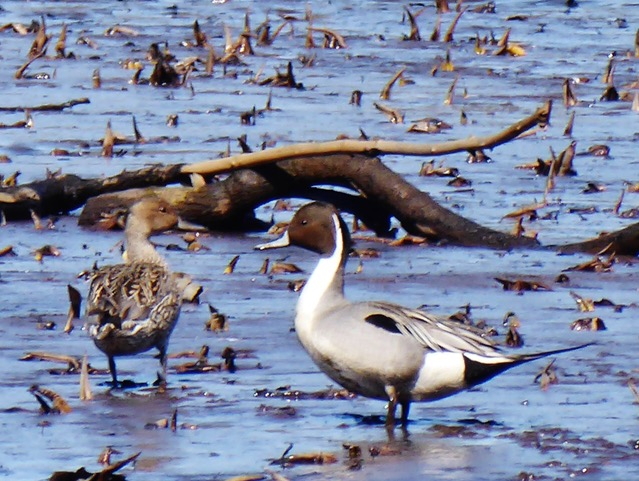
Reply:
x=151, y=216
x=147, y=217
x=317, y=227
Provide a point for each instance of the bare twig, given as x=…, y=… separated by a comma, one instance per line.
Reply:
x=368, y=147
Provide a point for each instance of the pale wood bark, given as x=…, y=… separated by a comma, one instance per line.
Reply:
x=371, y=148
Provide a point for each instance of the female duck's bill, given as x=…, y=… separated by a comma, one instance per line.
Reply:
x=379, y=349
x=136, y=304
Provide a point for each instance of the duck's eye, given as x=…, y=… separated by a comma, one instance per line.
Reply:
x=304, y=222
x=163, y=209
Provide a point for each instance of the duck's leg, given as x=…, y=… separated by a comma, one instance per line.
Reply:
x=392, y=406
x=115, y=384
x=161, y=382
x=405, y=403
x=113, y=371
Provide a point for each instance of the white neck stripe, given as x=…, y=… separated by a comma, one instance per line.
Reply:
x=321, y=280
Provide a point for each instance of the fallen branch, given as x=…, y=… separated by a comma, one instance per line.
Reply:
x=377, y=193
x=370, y=148
x=246, y=189
x=624, y=242
x=228, y=205
x=48, y=107
x=64, y=193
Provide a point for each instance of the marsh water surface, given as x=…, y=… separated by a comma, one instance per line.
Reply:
x=585, y=426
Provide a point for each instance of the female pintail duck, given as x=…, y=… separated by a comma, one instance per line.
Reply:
x=378, y=349
x=136, y=304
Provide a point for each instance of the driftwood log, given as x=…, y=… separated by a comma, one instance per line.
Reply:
x=48, y=107
x=64, y=193
x=375, y=193
x=379, y=193
x=369, y=178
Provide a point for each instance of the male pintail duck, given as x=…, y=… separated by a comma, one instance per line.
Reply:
x=137, y=304
x=378, y=349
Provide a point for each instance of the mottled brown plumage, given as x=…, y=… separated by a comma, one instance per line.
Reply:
x=136, y=304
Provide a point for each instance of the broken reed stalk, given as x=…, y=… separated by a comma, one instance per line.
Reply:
x=85, y=386
x=448, y=36
x=414, y=34
x=371, y=148
x=386, y=91
x=341, y=43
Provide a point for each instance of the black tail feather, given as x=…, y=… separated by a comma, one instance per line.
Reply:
x=539, y=355
x=477, y=372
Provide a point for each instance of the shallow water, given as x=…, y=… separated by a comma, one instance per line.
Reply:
x=581, y=427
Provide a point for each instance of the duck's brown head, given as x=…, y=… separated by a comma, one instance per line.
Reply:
x=317, y=227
